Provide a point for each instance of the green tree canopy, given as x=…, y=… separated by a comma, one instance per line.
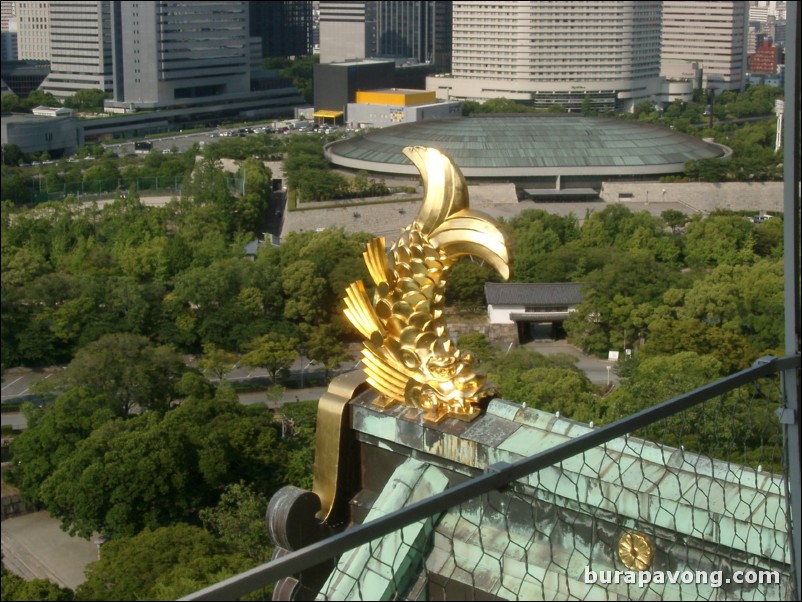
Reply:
x=153, y=470
x=273, y=352
x=239, y=521
x=16, y=588
x=159, y=564
x=128, y=372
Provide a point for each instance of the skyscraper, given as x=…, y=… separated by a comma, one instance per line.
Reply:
x=33, y=30
x=712, y=34
x=401, y=29
x=555, y=53
x=8, y=31
x=172, y=51
x=80, y=47
x=414, y=30
x=285, y=27
x=347, y=30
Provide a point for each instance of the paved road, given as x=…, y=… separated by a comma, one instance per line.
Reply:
x=35, y=547
x=595, y=369
x=17, y=382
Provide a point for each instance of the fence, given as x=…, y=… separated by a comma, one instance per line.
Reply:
x=161, y=185
x=689, y=494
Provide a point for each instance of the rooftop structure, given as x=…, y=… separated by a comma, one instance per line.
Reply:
x=523, y=146
x=392, y=106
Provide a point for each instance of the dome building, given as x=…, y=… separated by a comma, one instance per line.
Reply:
x=530, y=147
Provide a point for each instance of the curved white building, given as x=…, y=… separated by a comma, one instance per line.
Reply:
x=555, y=53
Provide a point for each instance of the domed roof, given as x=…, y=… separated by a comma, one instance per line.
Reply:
x=528, y=145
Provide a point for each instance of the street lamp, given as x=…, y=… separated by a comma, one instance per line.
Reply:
x=304, y=370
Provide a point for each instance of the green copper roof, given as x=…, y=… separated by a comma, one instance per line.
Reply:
x=529, y=145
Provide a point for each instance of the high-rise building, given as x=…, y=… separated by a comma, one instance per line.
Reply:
x=555, y=53
x=8, y=32
x=714, y=35
x=284, y=27
x=347, y=30
x=33, y=30
x=168, y=52
x=401, y=29
x=7, y=11
x=420, y=31
x=80, y=47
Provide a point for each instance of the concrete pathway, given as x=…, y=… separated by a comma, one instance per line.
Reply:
x=599, y=372
x=35, y=547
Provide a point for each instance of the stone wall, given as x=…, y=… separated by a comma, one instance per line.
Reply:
x=699, y=196
x=13, y=505
x=385, y=218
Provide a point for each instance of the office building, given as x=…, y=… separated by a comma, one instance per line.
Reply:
x=555, y=53
x=417, y=31
x=408, y=31
x=33, y=30
x=284, y=27
x=713, y=35
x=168, y=52
x=347, y=31
x=80, y=47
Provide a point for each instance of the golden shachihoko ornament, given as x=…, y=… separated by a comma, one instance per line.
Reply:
x=408, y=355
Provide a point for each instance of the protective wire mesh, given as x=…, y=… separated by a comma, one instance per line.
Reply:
x=702, y=492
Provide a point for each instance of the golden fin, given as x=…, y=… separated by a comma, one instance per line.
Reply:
x=376, y=261
x=383, y=374
x=445, y=188
x=360, y=312
x=471, y=233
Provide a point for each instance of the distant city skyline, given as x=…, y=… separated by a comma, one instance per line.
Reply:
x=614, y=54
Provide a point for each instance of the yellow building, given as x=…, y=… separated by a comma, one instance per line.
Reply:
x=397, y=97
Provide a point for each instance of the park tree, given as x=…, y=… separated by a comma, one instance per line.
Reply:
x=480, y=346
x=274, y=352
x=718, y=239
x=652, y=380
x=604, y=319
x=154, y=470
x=12, y=156
x=159, y=564
x=769, y=238
x=86, y=100
x=16, y=588
x=216, y=362
x=38, y=98
x=324, y=346
x=675, y=219
x=238, y=520
x=127, y=371
x=306, y=292
x=548, y=383
x=251, y=205
x=10, y=103
x=101, y=177
x=534, y=234
x=670, y=337
x=53, y=434
x=466, y=283
x=299, y=421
